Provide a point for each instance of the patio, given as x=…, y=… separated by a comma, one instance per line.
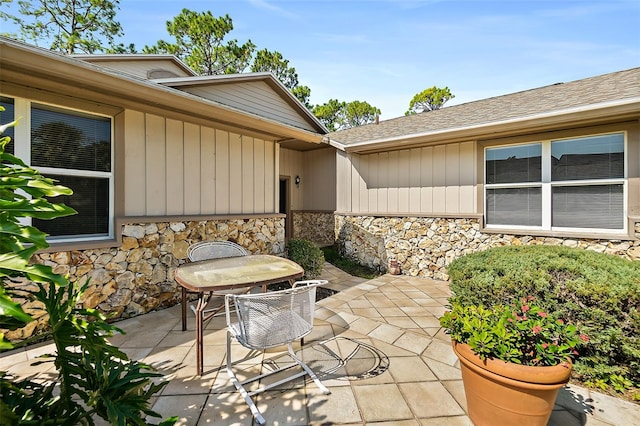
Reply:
x=377, y=345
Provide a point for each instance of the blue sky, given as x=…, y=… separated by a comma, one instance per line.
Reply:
x=385, y=51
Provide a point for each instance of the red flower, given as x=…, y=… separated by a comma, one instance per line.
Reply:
x=545, y=345
x=584, y=337
x=525, y=308
x=537, y=329
x=542, y=314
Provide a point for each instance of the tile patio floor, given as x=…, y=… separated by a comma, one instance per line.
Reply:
x=401, y=371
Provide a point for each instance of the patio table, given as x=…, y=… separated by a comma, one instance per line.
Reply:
x=206, y=276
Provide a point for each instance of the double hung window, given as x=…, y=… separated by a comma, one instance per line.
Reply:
x=76, y=149
x=569, y=185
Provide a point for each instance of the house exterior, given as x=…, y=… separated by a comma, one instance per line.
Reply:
x=160, y=158
x=553, y=165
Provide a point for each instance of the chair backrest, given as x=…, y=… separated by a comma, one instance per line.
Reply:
x=214, y=250
x=266, y=320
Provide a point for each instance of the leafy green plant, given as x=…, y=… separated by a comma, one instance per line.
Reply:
x=597, y=292
x=520, y=333
x=332, y=255
x=94, y=378
x=306, y=254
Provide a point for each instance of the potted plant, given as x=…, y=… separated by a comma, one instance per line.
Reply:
x=513, y=359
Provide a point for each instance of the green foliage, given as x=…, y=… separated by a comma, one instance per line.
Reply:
x=520, y=333
x=274, y=62
x=71, y=26
x=598, y=293
x=337, y=115
x=308, y=255
x=94, y=378
x=429, y=99
x=199, y=42
x=351, y=267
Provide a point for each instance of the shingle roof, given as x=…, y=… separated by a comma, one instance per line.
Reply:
x=557, y=97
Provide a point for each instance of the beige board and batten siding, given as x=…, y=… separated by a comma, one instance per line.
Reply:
x=179, y=168
x=438, y=179
x=256, y=97
x=317, y=172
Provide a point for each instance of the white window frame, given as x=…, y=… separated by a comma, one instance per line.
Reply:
x=547, y=185
x=22, y=148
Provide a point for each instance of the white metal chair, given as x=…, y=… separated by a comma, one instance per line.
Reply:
x=268, y=320
x=212, y=250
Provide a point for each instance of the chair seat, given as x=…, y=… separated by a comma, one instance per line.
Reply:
x=268, y=332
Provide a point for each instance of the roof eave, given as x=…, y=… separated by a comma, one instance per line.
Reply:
x=613, y=110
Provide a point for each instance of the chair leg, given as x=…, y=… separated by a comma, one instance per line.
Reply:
x=308, y=370
x=247, y=398
x=184, y=309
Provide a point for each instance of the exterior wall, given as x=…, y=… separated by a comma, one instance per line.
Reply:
x=252, y=96
x=178, y=168
x=425, y=246
x=292, y=165
x=434, y=179
x=318, y=179
x=137, y=277
x=316, y=226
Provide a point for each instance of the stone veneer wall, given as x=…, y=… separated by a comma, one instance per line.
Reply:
x=316, y=226
x=137, y=277
x=425, y=246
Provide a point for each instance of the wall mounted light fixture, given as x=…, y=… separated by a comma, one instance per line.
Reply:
x=297, y=180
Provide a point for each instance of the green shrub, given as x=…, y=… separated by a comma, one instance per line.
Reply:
x=308, y=255
x=598, y=293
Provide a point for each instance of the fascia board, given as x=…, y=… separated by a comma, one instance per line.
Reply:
x=621, y=108
x=77, y=73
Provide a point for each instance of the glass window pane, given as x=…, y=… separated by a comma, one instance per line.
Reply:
x=70, y=140
x=90, y=198
x=7, y=116
x=591, y=206
x=514, y=206
x=598, y=157
x=514, y=164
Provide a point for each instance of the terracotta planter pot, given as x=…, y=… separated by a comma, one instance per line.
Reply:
x=499, y=392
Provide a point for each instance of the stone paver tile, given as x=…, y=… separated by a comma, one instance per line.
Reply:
x=178, y=338
x=436, y=311
x=10, y=359
x=443, y=371
x=560, y=417
x=185, y=380
x=359, y=303
x=391, y=312
x=226, y=409
x=412, y=422
x=430, y=399
x=140, y=338
x=410, y=369
x=163, y=358
x=441, y=351
x=600, y=407
x=401, y=322
x=456, y=389
x=386, y=333
x=371, y=313
x=413, y=342
x=186, y=407
x=363, y=325
x=339, y=407
x=283, y=408
x=447, y=421
x=389, y=349
x=426, y=321
x=381, y=403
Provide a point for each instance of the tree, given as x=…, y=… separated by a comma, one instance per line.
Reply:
x=337, y=115
x=303, y=94
x=72, y=25
x=273, y=62
x=429, y=99
x=359, y=113
x=200, y=44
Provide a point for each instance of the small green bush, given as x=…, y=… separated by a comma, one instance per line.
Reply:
x=598, y=293
x=308, y=255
